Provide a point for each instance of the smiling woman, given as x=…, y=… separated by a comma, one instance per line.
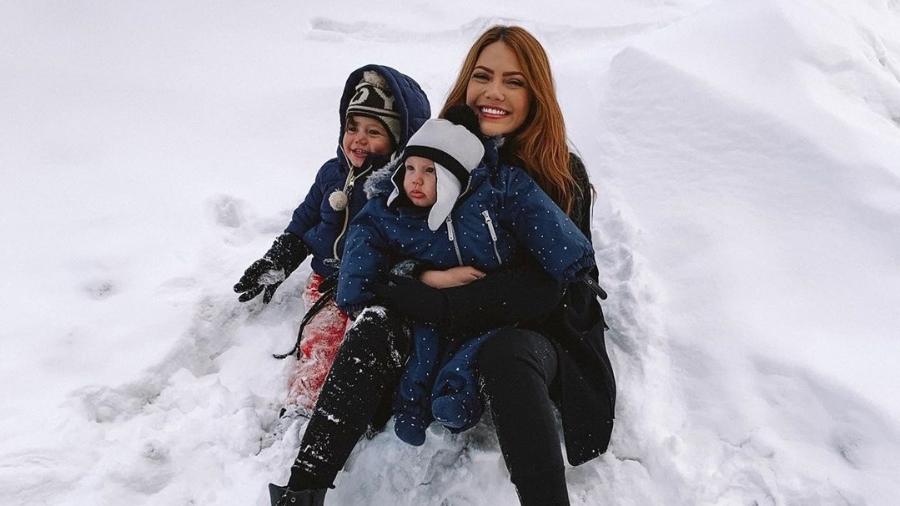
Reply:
x=558, y=360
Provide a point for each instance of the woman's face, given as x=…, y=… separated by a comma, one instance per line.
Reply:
x=497, y=90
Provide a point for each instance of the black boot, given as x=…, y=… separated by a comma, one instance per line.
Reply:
x=283, y=496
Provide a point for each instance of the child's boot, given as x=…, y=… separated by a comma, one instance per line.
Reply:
x=283, y=496
x=451, y=411
x=410, y=428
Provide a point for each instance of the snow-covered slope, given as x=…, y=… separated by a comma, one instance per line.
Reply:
x=747, y=158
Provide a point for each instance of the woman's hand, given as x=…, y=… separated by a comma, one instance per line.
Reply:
x=454, y=276
x=414, y=299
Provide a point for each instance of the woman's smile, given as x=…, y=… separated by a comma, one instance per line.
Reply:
x=487, y=112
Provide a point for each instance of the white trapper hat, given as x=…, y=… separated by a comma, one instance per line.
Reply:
x=456, y=151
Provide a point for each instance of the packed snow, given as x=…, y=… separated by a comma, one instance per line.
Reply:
x=747, y=227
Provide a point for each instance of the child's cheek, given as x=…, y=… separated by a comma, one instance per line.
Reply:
x=381, y=148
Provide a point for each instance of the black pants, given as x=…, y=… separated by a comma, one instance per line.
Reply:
x=518, y=372
x=357, y=392
x=517, y=367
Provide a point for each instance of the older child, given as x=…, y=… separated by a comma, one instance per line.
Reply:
x=379, y=110
x=452, y=211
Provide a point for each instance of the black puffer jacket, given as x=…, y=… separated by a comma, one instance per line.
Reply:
x=587, y=397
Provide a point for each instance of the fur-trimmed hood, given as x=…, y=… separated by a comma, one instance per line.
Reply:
x=379, y=182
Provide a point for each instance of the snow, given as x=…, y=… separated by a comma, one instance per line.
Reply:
x=746, y=158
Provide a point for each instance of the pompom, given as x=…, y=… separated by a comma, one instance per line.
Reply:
x=465, y=116
x=375, y=79
x=338, y=200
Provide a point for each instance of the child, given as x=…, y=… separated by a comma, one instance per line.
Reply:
x=380, y=109
x=452, y=211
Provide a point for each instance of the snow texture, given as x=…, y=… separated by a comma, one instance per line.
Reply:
x=747, y=160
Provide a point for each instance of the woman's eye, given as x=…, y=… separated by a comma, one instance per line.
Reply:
x=516, y=83
x=410, y=168
x=351, y=128
x=480, y=76
x=429, y=170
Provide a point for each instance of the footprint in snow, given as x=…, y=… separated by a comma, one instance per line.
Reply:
x=228, y=211
x=99, y=289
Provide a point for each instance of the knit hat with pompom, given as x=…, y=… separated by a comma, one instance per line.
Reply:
x=373, y=98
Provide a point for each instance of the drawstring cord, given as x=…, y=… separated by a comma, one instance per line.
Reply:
x=325, y=297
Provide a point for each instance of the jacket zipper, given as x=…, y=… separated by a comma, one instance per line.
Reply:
x=451, y=234
x=490, y=226
x=334, y=247
x=349, y=183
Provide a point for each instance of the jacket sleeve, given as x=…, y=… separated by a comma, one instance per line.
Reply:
x=308, y=212
x=365, y=262
x=521, y=292
x=543, y=229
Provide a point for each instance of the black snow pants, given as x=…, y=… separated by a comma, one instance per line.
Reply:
x=518, y=370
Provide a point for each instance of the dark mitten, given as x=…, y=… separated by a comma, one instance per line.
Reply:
x=414, y=299
x=266, y=274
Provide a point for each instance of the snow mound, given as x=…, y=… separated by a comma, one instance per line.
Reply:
x=745, y=156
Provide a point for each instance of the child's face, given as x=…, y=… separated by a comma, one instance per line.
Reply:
x=420, y=181
x=364, y=136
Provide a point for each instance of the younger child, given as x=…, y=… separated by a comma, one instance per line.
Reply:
x=452, y=211
x=379, y=110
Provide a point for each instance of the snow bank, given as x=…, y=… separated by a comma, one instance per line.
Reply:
x=745, y=155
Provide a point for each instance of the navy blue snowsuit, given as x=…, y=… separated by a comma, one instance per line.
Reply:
x=321, y=227
x=501, y=210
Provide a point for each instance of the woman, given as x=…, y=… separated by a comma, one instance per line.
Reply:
x=555, y=356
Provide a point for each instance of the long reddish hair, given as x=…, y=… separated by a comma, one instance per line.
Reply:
x=540, y=143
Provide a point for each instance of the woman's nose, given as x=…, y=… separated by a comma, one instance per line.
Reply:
x=493, y=90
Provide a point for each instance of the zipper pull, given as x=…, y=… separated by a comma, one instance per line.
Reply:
x=490, y=224
x=450, y=229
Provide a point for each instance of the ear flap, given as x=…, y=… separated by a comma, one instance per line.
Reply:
x=447, y=190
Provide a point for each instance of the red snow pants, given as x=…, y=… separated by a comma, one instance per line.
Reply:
x=319, y=345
